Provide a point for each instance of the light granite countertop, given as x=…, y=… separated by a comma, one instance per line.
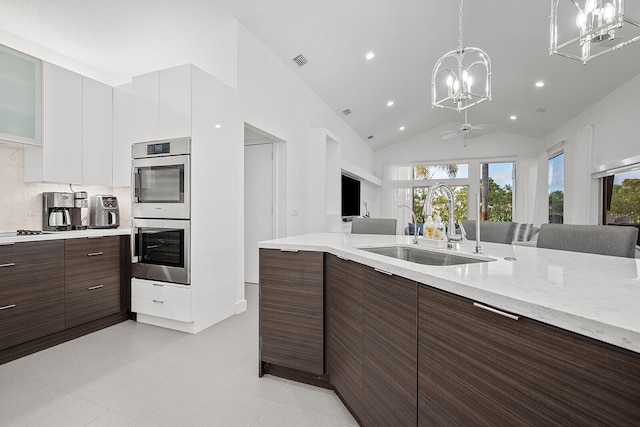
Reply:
x=593, y=295
x=12, y=237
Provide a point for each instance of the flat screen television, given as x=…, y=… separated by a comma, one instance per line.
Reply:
x=350, y=196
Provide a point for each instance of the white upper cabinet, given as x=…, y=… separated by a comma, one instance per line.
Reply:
x=97, y=131
x=20, y=97
x=60, y=158
x=76, y=131
x=174, y=102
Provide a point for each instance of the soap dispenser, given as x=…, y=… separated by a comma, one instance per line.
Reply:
x=428, y=228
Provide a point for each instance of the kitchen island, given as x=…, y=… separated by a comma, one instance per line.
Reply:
x=560, y=344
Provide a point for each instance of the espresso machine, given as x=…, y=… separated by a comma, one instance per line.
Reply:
x=80, y=211
x=56, y=211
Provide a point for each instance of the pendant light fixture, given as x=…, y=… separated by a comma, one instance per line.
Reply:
x=461, y=78
x=586, y=29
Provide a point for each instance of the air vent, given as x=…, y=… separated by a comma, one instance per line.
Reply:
x=370, y=137
x=541, y=110
x=346, y=112
x=300, y=60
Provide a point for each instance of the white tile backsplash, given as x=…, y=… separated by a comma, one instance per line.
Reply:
x=21, y=202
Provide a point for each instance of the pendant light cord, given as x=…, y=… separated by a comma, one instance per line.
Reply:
x=461, y=45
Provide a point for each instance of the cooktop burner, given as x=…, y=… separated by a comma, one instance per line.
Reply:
x=28, y=232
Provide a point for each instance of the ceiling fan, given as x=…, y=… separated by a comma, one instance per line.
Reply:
x=469, y=131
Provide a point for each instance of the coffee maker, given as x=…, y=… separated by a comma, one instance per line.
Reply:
x=56, y=211
x=80, y=211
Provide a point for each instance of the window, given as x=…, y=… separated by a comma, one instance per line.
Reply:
x=556, y=189
x=440, y=203
x=496, y=190
x=452, y=171
x=622, y=198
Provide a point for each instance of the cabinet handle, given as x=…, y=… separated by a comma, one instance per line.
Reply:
x=158, y=301
x=6, y=307
x=496, y=311
x=383, y=272
x=289, y=250
x=157, y=284
x=94, y=237
x=95, y=253
x=11, y=264
x=95, y=287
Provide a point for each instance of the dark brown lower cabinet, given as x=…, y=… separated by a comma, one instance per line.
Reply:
x=92, y=303
x=56, y=290
x=480, y=368
x=27, y=321
x=389, y=364
x=345, y=281
x=292, y=311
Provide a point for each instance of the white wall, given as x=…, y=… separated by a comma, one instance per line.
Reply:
x=615, y=137
x=272, y=98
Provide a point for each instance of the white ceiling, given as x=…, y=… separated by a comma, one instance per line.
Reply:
x=123, y=38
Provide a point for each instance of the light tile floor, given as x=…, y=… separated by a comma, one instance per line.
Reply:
x=133, y=374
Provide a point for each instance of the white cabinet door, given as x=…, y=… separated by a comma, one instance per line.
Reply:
x=21, y=97
x=97, y=102
x=145, y=107
x=60, y=159
x=174, y=102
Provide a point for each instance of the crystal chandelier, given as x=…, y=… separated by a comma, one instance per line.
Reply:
x=586, y=29
x=462, y=77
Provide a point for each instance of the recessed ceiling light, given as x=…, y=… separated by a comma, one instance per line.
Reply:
x=390, y=104
x=539, y=84
x=513, y=117
x=369, y=56
x=401, y=128
x=218, y=126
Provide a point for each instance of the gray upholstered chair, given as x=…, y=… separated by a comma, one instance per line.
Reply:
x=593, y=239
x=490, y=231
x=373, y=226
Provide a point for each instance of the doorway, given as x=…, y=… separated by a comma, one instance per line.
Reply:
x=260, y=195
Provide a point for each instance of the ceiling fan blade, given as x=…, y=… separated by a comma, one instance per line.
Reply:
x=448, y=131
x=472, y=135
x=451, y=135
x=484, y=129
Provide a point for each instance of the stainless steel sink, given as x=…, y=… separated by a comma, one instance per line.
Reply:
x=424, y=256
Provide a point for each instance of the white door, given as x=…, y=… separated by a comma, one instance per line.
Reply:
x=258, y=204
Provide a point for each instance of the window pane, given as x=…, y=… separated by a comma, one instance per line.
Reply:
x=625, y=199
x=441, y=171
x=440, y=203
x=497, y=196
x=556, y=189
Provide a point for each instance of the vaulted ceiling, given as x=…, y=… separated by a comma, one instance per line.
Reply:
x=121, y=37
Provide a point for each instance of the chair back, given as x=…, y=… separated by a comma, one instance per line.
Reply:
x=490, y=231
x=593, y=239
x=374, y=226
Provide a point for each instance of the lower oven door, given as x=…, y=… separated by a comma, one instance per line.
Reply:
x=161, y=250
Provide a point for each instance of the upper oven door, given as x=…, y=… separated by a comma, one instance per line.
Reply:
x=161, y=187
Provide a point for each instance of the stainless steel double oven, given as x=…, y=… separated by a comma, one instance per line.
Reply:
x=161, y=209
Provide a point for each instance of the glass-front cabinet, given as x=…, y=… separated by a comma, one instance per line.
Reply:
x=20, y=97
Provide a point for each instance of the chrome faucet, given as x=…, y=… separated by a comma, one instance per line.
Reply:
x=415, y=223
x=427, y=209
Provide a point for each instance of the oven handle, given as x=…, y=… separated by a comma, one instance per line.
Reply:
x=135, y=257
x=137, y=181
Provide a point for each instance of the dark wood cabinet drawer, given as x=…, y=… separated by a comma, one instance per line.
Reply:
x=22, y=322
x=292, y=309
x=31, y=271
x=92, y=262
x=479, y=368
x=91, y=303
